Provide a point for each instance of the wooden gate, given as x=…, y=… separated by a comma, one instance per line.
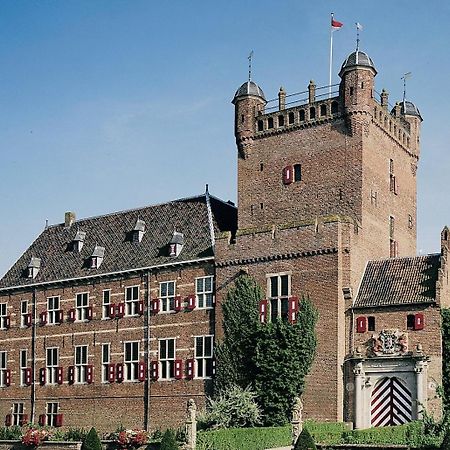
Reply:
x=391, y=403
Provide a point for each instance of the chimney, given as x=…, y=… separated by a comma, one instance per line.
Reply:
x=69, y=219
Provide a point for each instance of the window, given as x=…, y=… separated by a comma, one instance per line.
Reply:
x=392, y=180
x=51, y=413
x=52, y=365
x=291, y=118
x=167, y=296
x=410, y=221
x=391, y=227
x=334, y=107
x=4, y=319
x=81, y=362
x=204, y=356
x=106, y=360
x=393, y=248
x=279, y=291
x=167, y=358
x=23, y=367
x=323, y=110
x=17, y=414
x=297, y=172
x=204, y=292
x=52, y=310
x=270, y=122
x=82, y=306
x=132, y=300
x=312, y=113
x=302, y=115
x=280, y=121
x=260, y=125
x=105, y=303
x=131, y=361
x=23, y=313
x=410, y=322
x=351, y=90
x=3, y=369
x=371, y=323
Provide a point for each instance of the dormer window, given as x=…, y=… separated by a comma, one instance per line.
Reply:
x=33, y=267
x=176, y=244
x=97, y=257
x=138, y=231
x=78, y=241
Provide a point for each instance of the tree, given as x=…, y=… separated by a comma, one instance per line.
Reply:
x=305, y=441
x=92, y=441
x=284, y=355
x=234, y=356
x=169, y=441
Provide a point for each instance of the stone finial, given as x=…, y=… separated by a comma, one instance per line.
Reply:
x=384, y=98
x=312, y=91
x=297, y=421
x=397, y=109
x=69, y=218
x=281, y=99
x=191, y=425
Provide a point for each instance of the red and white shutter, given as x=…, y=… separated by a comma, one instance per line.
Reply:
x=89, y=373
x=42, y=375
x=155, y=305
x=7, y=377
x=58, y=420
x=120, y=310
x=154, y=370
x=141, y=307
x=191, y=303
x=178, y=303
x=189, y=369
x=60, y=317
x=42, y=420
x=263, y=304
x=89, y=313
x=418, y=321
x=59, y=375
x=28, y=320
x=112, y=311
x=361, y=324
x=72, y=314
x=288, y=175
x=71, y=374
x=119, y=372
x=142, y=369
x=214, y=366
x=23, y=419
x=111, y=373
x=28, y=376
x=293, y=309
x=8, y=420
x=178, y=369
x=7, y=322
x=43, y=318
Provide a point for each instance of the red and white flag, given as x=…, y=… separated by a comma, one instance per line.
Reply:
x=336, y=25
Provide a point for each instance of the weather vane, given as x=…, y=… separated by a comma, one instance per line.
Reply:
x=250, y=57
x=404, y=78
x=358, y=27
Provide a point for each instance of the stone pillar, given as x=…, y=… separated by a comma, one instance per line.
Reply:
x=191, y=425
x=282, y=99
x=297, y=422
x=384, y=99
x=421, y=397
x=359, y=408
x=312, y=92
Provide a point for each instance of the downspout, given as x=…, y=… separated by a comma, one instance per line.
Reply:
x=33, y=356
x=147, y=383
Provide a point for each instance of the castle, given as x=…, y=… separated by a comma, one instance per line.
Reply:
x=112, y=320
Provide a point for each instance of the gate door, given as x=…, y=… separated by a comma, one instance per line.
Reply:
x=391, y=403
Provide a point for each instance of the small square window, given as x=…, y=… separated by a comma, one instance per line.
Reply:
x=371, y=323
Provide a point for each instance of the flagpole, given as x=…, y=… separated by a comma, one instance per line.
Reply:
x=331, y=56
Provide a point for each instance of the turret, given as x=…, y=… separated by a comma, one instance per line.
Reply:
x=411, y=114
x=249, y=100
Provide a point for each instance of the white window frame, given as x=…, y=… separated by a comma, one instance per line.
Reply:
x=23, y=363
x=23, y=313
x=3, y=367
x=3, y=315
x=81, y=307
x=51, y=411
x=203, y=362
x=105, y=305
x=53, y=307
x=131, y=360
x=167, y=301
x=51, y=369
x=205, y=297
x=132, y=302
x=106, y=362
x=279, y=298
x=17, y=413
x=166, y=360
x=81, y=358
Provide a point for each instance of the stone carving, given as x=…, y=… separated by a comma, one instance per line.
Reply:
x=297, y=422
x=390, y=342
x=191, y=425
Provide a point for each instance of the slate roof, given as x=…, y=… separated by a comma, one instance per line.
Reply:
x=399, y=281
x=54, y=246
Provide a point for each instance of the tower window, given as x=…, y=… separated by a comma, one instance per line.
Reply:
x=362, y=84
x=302, y=115
x=371, y=323
x=410, y=321
x=242, y=118
x=351, y=90
x=291, y=118
x=323, y=110
x=260, y=125
x=312, y=113
x=261, y=167
x=270, y=122
x=261, y=206
x=281, y=121
x=297, y=172
x=391, y=227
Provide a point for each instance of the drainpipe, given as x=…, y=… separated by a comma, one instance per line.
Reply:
x=147, y=351
x=33, y=355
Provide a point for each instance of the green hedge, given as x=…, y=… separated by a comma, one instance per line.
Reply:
x=326, y=432
x=244, y=438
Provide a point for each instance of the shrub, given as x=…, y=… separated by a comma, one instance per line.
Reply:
x=236, y=407
x=10, y=433
x=244, y=438
x=328, y=433
x=92, y=441
x=169, y=441
x=305, y=441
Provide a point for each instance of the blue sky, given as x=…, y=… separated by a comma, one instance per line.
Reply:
x=109, y=105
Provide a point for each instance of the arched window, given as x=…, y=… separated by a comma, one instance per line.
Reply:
x=323, y=110
x=291, y=118
x=281, y=121
x=312, y=112
x=270, y=122
x=302, y=115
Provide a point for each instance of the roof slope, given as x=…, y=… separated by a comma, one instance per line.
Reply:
x=399, y=281
x=113, y=231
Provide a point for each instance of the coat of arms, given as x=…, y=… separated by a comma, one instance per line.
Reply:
x=390, y=342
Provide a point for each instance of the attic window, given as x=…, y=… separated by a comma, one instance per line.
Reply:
x=97, y=256
x=78, y=241
x=176, y=244
x=138, y=231
x=33, y=267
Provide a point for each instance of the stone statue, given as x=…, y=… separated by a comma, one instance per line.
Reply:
x=297, y=422
x=191, y=425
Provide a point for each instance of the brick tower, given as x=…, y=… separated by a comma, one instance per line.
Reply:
x=325, y=183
